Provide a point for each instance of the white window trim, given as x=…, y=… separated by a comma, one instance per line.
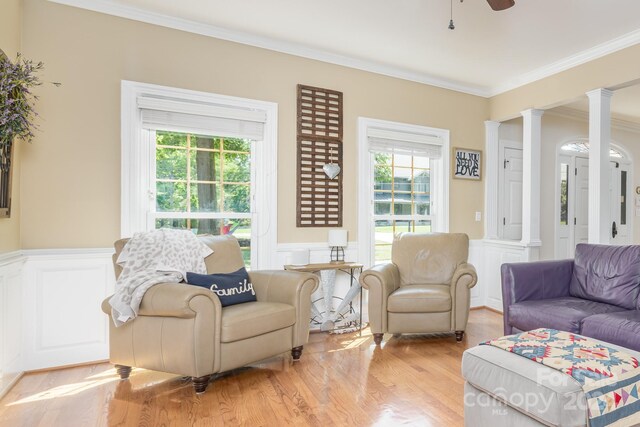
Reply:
x=136, y=167
x=440, y=209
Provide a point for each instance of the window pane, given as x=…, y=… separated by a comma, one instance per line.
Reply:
x=171, y=196
x=208, y=226
x=382, y=177
x=564, y=193
x=237, y=168
x=383, y=239
x=421, y=162
x=171, y=163
x=421, y=181
x=401, y=179
x=401, y=160
x=423, y=227
x=205, y=166
x=237, y=198
x=236, y=144
x=171, y=223
x=623, y=197
x=403, y=226
x=402, y=204
x=205, y=142
x=171, y=138
x=382, y=207
x=421, y=204
x=205, y=198
x=382, y=159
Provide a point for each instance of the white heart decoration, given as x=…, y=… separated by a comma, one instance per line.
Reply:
x=331, y=169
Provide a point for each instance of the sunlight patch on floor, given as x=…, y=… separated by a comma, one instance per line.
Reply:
x=351, y=344
x=63, y=391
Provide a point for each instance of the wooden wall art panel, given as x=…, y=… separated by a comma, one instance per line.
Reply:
x=319, y=138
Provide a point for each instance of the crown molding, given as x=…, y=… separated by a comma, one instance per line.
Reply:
x=136, y=14
x=583, y=116
x=564, y=64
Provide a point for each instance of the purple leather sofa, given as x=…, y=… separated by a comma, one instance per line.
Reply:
x=595, y=295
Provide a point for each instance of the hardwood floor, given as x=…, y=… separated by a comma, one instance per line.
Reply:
x=340, y=380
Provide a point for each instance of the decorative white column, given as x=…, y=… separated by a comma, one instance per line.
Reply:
x=491, y=170
x=531, y=140
x=599, y=142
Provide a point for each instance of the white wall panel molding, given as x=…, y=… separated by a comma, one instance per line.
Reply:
x=62, y=320
x=11, y=369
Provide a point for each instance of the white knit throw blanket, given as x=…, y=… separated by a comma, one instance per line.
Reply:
x=149, y=258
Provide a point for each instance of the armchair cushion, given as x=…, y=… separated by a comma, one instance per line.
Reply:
x=251, y=319
x=231, y=288
x=420, y=299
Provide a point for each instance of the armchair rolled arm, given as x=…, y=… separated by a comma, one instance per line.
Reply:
x=464, y=278
x=283, y=286
x=380, y=280
x=171, y=300
x=465, y=275
x=288, y=287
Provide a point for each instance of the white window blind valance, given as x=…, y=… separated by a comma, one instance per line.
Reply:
x=202, y=118
x=404, y=143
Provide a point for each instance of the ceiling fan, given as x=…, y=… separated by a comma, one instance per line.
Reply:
x=496, y=5
x=501, y=4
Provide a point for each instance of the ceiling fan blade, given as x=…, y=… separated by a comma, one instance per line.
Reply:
x=501, y=4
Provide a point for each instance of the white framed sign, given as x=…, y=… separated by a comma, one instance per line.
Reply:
x=467, y=164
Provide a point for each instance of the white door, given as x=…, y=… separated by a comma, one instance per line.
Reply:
x=581, y=203
x=511, y=193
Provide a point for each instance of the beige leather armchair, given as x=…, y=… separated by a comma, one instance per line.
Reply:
x=183, y=329
x=426, y=287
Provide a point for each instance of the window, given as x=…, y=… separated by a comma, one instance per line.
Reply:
x=203, y=183
x=190, y=160
x=564, y=193
x=403, y=182
x=400, y=197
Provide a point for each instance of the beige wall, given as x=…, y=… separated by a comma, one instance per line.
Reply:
x=10, y=33
x=610, y=71
x=71, y=173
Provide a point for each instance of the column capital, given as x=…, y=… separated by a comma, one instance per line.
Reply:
x=600, y=93
x=532, y=112
x=490, y=124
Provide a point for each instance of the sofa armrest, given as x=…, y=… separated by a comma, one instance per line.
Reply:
x=380, y=280
x=288, y=287
x=170, y=300
x=527, y=281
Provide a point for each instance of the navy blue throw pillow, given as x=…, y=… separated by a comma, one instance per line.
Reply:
x=231, y=288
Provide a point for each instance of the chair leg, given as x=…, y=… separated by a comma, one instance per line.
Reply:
x=377, y=338
x=200, y=383
x=459, y=335
x=296, y=352
x=123, y=371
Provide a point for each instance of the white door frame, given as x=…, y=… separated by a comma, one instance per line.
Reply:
x=626, y=162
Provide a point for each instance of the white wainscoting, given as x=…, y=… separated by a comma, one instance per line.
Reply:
x=50, y=299
x=63, y=291
x=10, y=319
x=494, y=254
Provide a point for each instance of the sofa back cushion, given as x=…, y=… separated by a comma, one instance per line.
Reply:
x=609, y=274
